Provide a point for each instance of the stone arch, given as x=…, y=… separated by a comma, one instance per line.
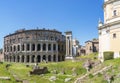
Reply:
x=38, y=58
x=14, y=48
x=14, y=58
x=59, y=58
x=11, y=48
x=58, y=47
x=18, y=48
x=18, y=58
x=38, y=47
x=28, y=58
x=44, y=57
x=22, y=58
x=49, y=47
x=63, y=57
x=33, y=58
x=54, y=47
x=7, y=58
x=10, y=57
x=49, y=57
x=44, y=47
x=33, y=47
x=54, y=58
x=23, y=47
x=28, y=47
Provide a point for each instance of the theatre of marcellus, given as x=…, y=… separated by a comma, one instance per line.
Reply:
x=35, y=45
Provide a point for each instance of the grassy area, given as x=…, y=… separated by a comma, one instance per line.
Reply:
x=22, y=72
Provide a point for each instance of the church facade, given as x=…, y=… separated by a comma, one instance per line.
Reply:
x=109, y=31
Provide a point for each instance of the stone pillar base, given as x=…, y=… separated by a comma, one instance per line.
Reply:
x=69, y=58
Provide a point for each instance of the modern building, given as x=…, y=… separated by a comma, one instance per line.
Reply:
x=109, y=31
x=91, y=46
x=34, y=45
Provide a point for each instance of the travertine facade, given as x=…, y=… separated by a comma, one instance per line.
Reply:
x=109, y=31
x=35, y=45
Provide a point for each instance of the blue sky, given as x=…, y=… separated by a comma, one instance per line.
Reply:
x=79, y=16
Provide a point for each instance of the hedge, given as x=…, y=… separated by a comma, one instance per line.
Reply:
x=108, y=55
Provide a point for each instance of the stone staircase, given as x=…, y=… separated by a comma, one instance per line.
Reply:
x=94, y=71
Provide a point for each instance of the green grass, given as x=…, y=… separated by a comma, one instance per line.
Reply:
x=22, y=72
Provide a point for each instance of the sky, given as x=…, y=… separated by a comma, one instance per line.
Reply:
x=79, y=16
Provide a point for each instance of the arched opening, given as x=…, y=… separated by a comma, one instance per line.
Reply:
x=23, y=59
x=28, y=47
x=58, y=47
x=10, y=58
x=11, y=48
x=38, y=58
x=13, y=58
x=44, y=47
x=33, y=47
x=62, y=48
x=33, y=58
x=28, y=59
x=54, y=58
x=38, y=47
x=49, y=47
x=18, y=47
x=23, y=47
x=49, y=58
x=63, y=57
x=6, y=57
x=59, y=58
x=44, y=57
x=18, y=58
x=14, y=48
x=54, y=47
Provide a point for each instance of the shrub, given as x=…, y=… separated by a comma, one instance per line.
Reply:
x=91, y=76
x=108, y=55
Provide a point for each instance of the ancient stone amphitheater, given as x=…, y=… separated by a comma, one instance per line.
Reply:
x=36, y=45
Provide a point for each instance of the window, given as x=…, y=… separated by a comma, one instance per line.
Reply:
x=33, y=47
x=44, y=47
x=18, y=48
x=54, y=47
x=28, y=47
x=49, y=47
x=115, y=13
x=114, y=35
x=38, y=47
x=23, y=47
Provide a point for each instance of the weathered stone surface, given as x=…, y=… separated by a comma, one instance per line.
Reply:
x=67, y=79
x=25, y=81
x=5, y=78
x=38, y=71
x=52, y=78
